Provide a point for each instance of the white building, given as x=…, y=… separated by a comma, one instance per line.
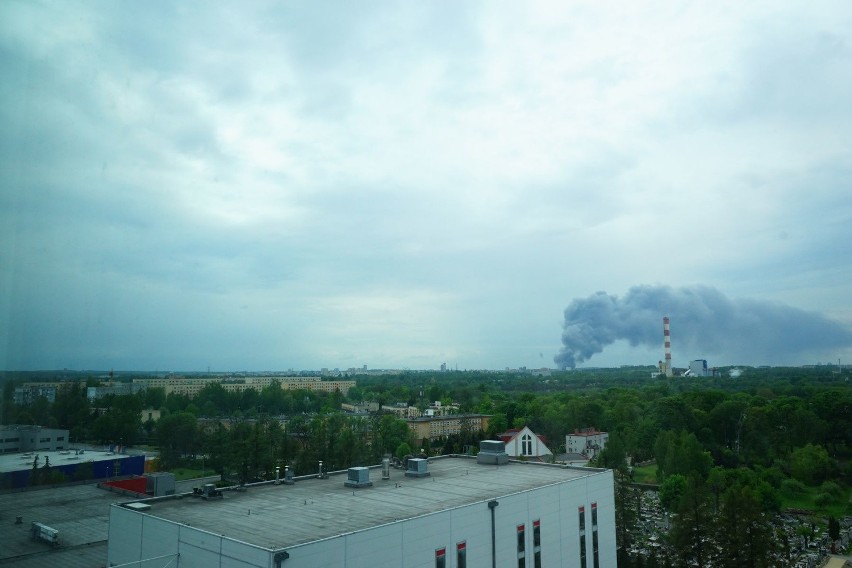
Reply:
x=456, y=516
x=28, y=438
x=588, y=441
x=698, y=368
x=524, y=443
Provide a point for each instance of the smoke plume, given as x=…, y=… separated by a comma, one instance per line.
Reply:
x=704, y=322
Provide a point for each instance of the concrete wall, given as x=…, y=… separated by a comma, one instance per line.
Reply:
x=148, y=540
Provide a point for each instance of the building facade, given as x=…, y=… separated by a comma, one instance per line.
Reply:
x=524, y=443
x=461, y=515
x=191, y=387
x=113, y=388
x=28, y=438
x=27, y=394
x=588, y=442
x=698, y=368
x=436, y=427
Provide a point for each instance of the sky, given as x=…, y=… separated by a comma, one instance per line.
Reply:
x=294, y=185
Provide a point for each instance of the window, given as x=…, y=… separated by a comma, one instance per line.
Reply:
x=461, y=555
x=537, y=544
x=595, y=557
x=582, y=513
x=522, y=546
x=441, y=558
x=526, y=445
x=60, y=439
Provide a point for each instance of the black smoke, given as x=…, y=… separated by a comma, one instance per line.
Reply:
x=704, y=322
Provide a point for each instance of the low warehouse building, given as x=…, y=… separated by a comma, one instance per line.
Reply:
x=51, y=467
x=463, y=514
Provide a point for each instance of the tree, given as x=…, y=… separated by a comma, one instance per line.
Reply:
x=681, y=454
x=810, y=464
x=625, y=514
x=671, y=491
x=177, y=435
x=692, y=523
x=744, y=535
x=402, y=450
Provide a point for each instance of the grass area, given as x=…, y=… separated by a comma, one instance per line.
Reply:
x=184, y=473
x=807, y=500
x=645, y=474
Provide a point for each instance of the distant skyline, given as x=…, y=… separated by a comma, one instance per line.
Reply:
x=265, y=186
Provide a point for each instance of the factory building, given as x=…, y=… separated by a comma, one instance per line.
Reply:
x=44, y=467
x=23, y=438
x=698, y=368
x=447, y=512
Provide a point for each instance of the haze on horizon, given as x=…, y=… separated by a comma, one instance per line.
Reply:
x=265, y=186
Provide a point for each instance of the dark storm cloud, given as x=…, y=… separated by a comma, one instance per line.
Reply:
x=702, y=319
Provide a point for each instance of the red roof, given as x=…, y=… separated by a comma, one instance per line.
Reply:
x=511, y=433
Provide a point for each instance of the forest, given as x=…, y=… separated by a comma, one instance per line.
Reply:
x=728, y=453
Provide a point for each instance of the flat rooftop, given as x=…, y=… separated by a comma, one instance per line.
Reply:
x=22, y=461
x=278, y=516
x=79, y=512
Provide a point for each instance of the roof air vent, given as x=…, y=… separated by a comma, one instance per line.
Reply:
x=492, y=452
x=417, y=467
x=358, y=477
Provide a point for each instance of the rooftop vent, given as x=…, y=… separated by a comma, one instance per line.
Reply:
x=160, y=483
x=492, y=452
x=417, y=467
x=358, y=477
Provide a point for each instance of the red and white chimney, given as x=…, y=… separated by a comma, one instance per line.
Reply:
x=667, y=342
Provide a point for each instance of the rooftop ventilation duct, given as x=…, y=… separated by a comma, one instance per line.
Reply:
x=492, y=452
x=417, y=467
x=358, y=477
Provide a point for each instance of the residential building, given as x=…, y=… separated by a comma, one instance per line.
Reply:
x=192, y=386
x=114, y=388
x=27, y=394
x=435, y=427
x=588, y=442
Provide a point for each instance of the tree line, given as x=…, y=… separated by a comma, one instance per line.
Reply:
x=728, y=451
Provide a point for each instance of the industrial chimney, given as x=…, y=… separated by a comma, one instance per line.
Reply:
x=667, y=342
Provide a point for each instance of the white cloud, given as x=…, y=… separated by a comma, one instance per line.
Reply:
x=467, y=168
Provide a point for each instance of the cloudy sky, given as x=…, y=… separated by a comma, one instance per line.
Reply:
x=261, y=186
